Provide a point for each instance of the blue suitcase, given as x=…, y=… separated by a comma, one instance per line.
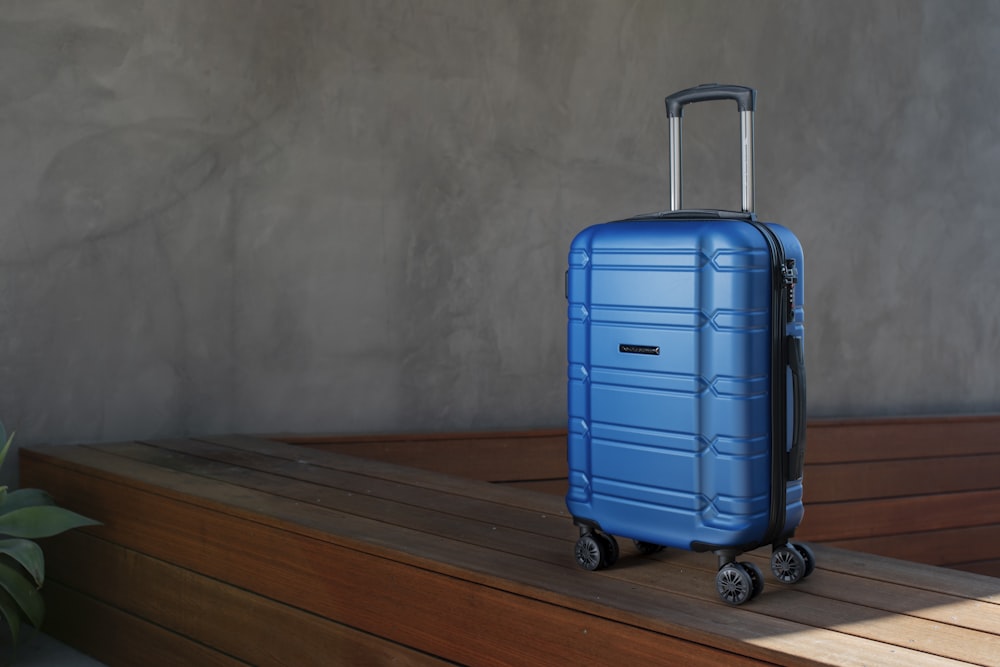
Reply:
x=686, y=387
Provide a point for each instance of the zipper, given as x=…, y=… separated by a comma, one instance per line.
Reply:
x=783, y=281
x=790, y=275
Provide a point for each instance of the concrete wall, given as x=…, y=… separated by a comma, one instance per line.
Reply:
x=353, y=216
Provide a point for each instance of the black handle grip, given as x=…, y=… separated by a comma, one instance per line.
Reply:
x=797, y=362
x=746, y=98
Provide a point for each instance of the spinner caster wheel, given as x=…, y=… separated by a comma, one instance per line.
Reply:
x=807, y=556
x=788, y=564
x=611, y=550
x=647, y=548
x=734, y=583
x=589, y=552
x=596, y=551
x=756, y=576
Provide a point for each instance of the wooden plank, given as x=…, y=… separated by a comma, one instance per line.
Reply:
x=910, y=574
x=933, y=605
x=860, y=606
x=450, y=516
x=895, y=516
x=374, y=493
x=555, y=487
x=208, y=611
x=990, y=568
x=639, y=607
x=864, y=480
x=491, y=458
x=851, y=440
x=950, y=548
x=834, y=602
x=362, y=438
x=871, y=628
x=117, y=638
x=502, y=494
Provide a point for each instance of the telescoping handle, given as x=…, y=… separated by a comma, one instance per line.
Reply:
x=746, y=100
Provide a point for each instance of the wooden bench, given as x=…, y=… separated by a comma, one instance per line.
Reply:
x=236, y=550
x=921, y=489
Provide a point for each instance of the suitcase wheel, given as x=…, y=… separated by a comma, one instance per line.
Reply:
x=594, y=551
x=807, y=555
x=739, y=582
x=756, y=576
x=611, y=552
x=792, y=563
x=647, y=548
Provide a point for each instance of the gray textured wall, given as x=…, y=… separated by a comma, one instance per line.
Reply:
x=353, y=215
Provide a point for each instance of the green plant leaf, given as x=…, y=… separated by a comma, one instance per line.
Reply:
x=27, y=597
x=15, y=500
x=12, y=614
x=29, y=555
x=7, y=440
x=41, y=521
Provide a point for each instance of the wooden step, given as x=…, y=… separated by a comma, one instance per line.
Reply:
x=257, y=552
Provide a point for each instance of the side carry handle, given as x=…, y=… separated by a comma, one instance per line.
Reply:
x=746, y=101
x=797, y=362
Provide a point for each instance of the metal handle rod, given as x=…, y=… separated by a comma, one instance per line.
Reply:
x=746, y=156
x=675, y=163
x=746, y=160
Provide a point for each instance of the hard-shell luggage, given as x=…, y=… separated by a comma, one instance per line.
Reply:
x=686, y=388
